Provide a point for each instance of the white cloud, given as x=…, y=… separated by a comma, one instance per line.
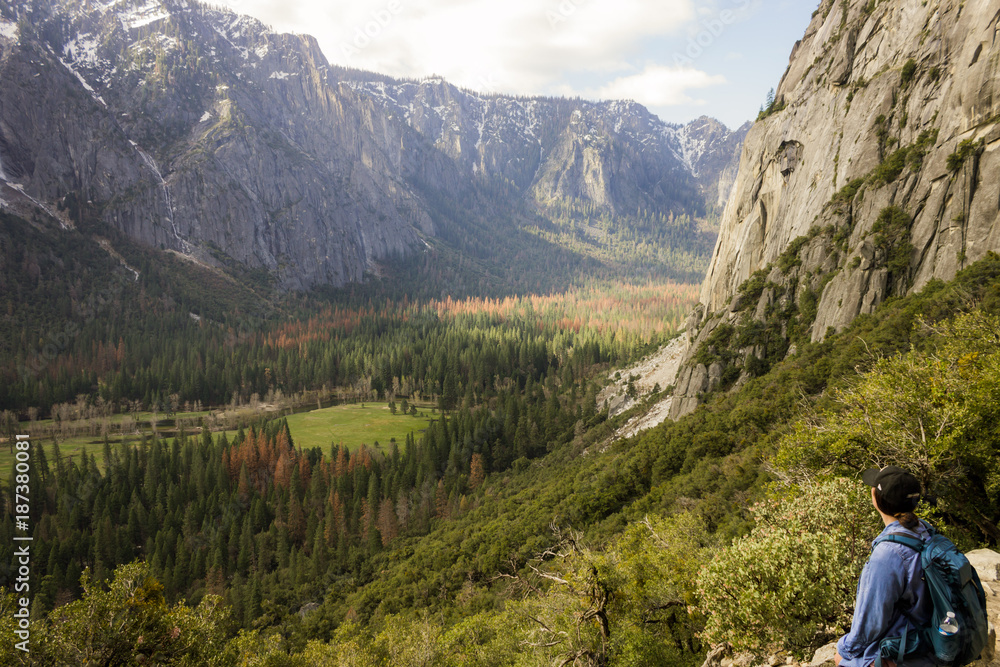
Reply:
x=521, y=46
x=658, y=86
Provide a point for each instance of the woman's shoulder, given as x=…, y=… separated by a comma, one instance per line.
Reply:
x=890, y=551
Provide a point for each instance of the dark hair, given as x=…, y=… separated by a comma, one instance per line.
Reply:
x=904, y=515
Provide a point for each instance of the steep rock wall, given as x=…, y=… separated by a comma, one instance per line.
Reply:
x=877, y=170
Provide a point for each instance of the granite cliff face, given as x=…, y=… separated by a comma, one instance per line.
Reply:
x=877, y=169
x=203, y=132
x=116, y=106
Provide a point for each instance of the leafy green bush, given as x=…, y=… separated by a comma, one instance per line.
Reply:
x=912, y=155
x=751, y=289
x=892, y=241
x=891, y=168
x=964, y=151
x=716, y=346
x=919, y=149
x=909, y=71
x=790, y=584
x=932, y=412
x=845, y=196
x=130, y=623
x=790, y=258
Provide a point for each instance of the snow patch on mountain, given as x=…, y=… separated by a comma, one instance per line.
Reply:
x=82, y=50
x=244, y=52
x=168, y=43
x=8, y=29
x=143, y=16
x=440, y=110
x=83, y=82
x=20, y=188
x=531, y=111
x=691, y=148
x=103, y=7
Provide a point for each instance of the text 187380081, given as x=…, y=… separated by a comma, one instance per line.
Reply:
x=22, y=550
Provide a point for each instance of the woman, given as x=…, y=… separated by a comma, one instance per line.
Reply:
x=892, y=596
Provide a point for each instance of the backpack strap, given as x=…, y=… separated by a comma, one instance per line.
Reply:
x=912, y=542
x=902, y=649
x=902, y=642
x=907, y=541
x=918, y=546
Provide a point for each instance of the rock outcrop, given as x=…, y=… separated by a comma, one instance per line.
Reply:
x=876, y=170
x=987, y=564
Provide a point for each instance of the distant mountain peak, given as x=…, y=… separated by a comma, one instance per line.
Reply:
x=195, y=129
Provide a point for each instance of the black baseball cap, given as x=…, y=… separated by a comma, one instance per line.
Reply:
x=897, y=489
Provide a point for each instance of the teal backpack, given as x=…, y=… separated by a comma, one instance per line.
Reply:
x=955, y=590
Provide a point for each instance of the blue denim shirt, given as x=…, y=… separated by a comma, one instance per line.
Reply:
x=891, y=581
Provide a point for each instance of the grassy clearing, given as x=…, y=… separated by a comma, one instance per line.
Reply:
x=352, y=425
x=44, y=430
x=142, y=419
x=71, y=448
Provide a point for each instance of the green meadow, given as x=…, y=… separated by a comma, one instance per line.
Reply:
x=73, y=447
x=69, y=448
x=352, y=425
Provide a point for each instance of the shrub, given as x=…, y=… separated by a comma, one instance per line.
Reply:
x=717, y=344
x=790, y=584
x=909, y=71
x=918, y=150
x=934, y=413
x=790, y=258
x=912, y=155
x=846, y=194
x=965, y=150
x=128, y=618
x=751, y=289
x=892, y=240
x=891, y=168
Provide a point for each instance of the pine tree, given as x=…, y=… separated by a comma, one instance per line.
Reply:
x=441, y=501
x=387, y=524
x=477, y=471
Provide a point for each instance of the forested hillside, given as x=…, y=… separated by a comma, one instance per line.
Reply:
x=142, y=327
x=515, y=531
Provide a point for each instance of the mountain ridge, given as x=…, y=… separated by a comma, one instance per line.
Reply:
x=201, y=131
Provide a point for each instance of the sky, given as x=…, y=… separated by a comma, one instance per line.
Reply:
x=680, y=58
